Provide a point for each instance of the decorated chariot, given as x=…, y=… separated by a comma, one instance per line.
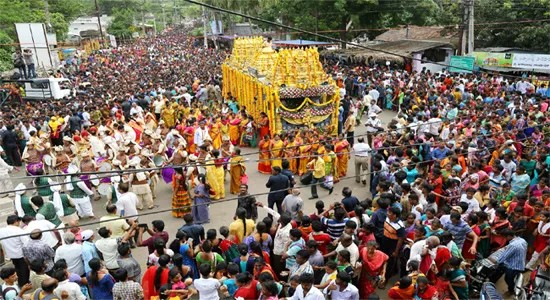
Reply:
x=289, y=85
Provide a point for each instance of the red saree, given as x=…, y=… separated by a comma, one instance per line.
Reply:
x=369, y=271
x=148, y=281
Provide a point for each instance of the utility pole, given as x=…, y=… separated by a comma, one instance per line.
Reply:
x=204, y=28
x=99, y=22
x=463, y=28
x=471, y=37
x=47, y=14
x=163, y=15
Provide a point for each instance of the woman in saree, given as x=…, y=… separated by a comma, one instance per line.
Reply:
x=155, y=277
x=236, y=171
x=234, y=134
x=215, y=175
x=249, y=134
x=150, y=121
x=180, y=198
x=168, y=115
x=276, y=149
x=331, y=162
x=373, y=266
x=342, y=148
x=242, y=128
x=216, y=133
x=425, y=291
x=404, y=290
x=500, y=223
x=189, y=135
x=263, y=124
x=264, y=165
x=200, y=211
x=260, y=266
x=291, y=151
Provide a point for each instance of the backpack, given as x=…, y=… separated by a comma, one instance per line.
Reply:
x=231, y=253
x=3, y=291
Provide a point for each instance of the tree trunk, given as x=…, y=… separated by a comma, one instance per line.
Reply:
x=343, y=30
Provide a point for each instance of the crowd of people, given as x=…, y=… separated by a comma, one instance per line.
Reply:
x=459, y=173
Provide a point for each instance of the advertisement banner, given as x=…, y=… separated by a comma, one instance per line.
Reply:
x=531, y=61
x=461, y=64
x=490, y=59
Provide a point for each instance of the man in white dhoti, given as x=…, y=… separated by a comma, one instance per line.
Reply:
x=140, y=185
x=80, y=194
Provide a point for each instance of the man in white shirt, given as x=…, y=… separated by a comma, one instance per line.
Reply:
x=473, y=204
x=12, y=244
x=435, y=125
x=306, y=290
x=373, y=126
x=108, y=245
x=341, y=288
x=158, y=104
x=374, y=93
x=71, y=252
x=52, y=238
x=72, y=289
x=127, y=202
x=86, y=117
x=201, y=134
x=26, y=128
x=362, y=151
x=136, y=110
x=428, y=246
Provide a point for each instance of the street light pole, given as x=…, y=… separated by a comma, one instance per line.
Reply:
x=99, y=21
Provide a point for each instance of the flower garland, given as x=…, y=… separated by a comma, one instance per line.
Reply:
x=301, y=114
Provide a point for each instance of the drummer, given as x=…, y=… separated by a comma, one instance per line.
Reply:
x=68, y=211
x=133, y=148
x=79, y=192
x=97, y=145
x=47, y=159
x=87, y=165
x=179, y=156
x=148, y=162
x=69, y=148
x=140, y=185
x=122, y=157
x=32, y=157
x=61, y=159
x=158, y=147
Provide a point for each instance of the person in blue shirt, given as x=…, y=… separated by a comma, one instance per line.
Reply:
x=378, y=218
x=411, y=172
x=513, y=258
x=349, y=201
x=440, y=152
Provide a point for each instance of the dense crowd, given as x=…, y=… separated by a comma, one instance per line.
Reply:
x=459, y=174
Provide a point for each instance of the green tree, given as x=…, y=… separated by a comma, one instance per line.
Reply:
x=6, y=52
x=122, y=25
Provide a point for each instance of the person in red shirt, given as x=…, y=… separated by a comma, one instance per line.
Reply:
x=320, y=237
x=528, y=210
x=306, y=228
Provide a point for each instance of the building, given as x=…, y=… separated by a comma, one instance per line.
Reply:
x=413, y=55
x=89, y=24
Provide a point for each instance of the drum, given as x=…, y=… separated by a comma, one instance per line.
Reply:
x=94, y=180
x=104, y=189
x=158, y=160
x=105, y=166
x=48, y=160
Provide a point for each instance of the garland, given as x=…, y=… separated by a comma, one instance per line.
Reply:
x=306, y=101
